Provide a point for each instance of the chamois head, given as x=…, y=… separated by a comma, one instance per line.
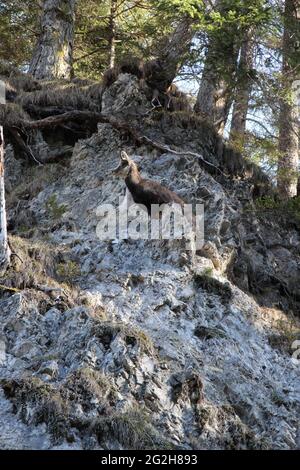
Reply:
x=126, y=165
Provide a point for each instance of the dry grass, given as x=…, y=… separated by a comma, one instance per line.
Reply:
x=84, y=387
x=37, y=265
x=12, y=115
x=34, y=268
x=286, y=332
x=232, y=432
x=34, y=180
x=283, y=328
x=64, y=94
x=214, y=286
x=49, y=406
x=278, y=320
x=107, y=331
x=133, y=430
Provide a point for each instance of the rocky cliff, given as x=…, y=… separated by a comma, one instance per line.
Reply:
x=128, y=344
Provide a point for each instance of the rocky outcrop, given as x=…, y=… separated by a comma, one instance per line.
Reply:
x=135, y=346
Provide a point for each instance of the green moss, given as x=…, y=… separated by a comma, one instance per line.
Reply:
x=207, y=272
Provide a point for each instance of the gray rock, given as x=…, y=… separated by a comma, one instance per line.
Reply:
x=146, y=338
x=49, y=368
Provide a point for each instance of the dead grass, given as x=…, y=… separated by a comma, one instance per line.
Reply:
x=34, y=180
x=184, y=119
x=67, y=271
x=12, y=115
x=37, y=268
x=86, y=385
x=49, y=406
x=133, y=430
x=107, y=331
x=64, y=95
x=212, y=285
x=286, y=333
x=283, y=328
x=233, y=433
x=93, y=392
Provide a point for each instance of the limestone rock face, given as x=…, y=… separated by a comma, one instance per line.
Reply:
x=124, y=97
x=139, y=346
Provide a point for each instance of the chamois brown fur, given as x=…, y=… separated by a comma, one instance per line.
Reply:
x=144, y=191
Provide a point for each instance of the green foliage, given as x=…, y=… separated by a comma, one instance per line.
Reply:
x=207, y=272
x=284, y=210
x=139, y=27
x=68, y=271
x=194, y=8
x=19, y=27
x=55, y=210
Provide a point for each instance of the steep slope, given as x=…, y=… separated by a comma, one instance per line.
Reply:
x=128, y=344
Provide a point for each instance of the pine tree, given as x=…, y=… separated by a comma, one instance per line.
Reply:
x=52, y=57
x=288, y=162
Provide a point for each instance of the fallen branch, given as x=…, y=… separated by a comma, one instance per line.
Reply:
x=18, y=140
x=11, y=289
x=58, y=119
x=166, y=148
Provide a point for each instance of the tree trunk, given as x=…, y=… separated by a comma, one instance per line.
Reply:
x=287, y=173
x=214, y=98
x=52, y=57
x=170, y=56
x=112, y=32
x=4, y=248
x=243, y=90
x=215, y=93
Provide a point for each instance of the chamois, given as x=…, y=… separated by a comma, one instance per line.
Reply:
x=144, y=191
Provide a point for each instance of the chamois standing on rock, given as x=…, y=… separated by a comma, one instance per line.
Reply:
x=144, y=191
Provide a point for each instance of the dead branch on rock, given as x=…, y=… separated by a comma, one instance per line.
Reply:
x=11, y=289
x=91, y=118
x=19, y=142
